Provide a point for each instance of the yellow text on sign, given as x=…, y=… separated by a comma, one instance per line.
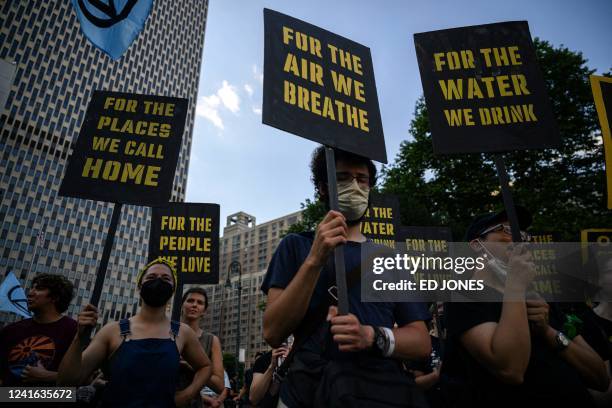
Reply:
x=111, y=170
x=130, y=105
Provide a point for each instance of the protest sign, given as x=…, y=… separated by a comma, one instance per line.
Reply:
x=430, y=239
x=382, y=219
x=548, y=280
x=320, y=86
x=602, y=93
x=484, y=90
x=426, y=241
x=187, y=234
x=127, y=150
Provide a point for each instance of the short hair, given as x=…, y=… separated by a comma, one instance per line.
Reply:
x=59, y=288
x=199, y=290
x=318, y=167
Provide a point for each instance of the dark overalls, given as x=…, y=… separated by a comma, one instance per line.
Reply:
x=142, y=373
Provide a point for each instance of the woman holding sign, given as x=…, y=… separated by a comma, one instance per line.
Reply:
x=140, y=355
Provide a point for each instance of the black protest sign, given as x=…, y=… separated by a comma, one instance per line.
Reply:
x=127, y=150
x=320, y=86
x=425, y=239
x=430, y=241
x=187, y=234
x=484, y=90
x=602, y=94
x=548, y=280
x=596, y=242
x=382, y=219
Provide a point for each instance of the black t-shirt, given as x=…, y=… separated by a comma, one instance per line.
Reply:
x=259, y=367
x=27, y=343
x=287, y=260
x=596, y=331
x=289, y=257
x=548, y=381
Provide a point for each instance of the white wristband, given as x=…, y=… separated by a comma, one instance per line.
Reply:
x=391, y=339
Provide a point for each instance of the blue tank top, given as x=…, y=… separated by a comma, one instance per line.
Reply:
x=142, y=373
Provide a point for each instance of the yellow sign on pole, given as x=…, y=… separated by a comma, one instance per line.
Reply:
x=602, y=93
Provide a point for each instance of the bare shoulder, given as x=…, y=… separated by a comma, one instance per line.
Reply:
x=109, y=330
x=186, y=334
x=186, y=330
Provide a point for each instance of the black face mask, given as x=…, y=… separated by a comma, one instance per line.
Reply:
x=156, y=292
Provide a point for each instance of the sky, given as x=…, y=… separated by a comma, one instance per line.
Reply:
x=244, y=165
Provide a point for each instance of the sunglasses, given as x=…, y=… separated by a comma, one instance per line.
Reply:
x=507, y=229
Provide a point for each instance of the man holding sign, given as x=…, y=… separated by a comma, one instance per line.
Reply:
x=300, y=287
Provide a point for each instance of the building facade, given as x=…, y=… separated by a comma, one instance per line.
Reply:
x=55, y=69
x=252, y=246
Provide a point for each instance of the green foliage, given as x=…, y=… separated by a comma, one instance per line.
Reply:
x=563, y=188
x=312, y=213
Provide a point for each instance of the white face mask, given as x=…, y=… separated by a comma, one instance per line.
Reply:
x=499, y=268
x=352, y=200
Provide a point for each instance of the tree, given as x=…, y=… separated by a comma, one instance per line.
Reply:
x=312, y=213
x=563, y=188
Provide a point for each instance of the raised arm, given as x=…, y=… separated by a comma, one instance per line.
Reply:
x=77, y=365
x=504, y=347
x=216, y=379
x=286, y=307
x=194, y=354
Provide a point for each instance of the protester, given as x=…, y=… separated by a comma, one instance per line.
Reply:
x=597, y=326
x=263, y=392
x=31, y=350
x=195, y=304
x=300, y=283
x=141, y=354
x=513, y=352
x=242, y=399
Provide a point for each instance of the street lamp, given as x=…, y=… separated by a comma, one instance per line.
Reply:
x=236, y=267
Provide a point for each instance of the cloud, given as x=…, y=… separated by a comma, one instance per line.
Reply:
x=249, y=89
x=256, y=110
x=229, y=97
x=256, y=74
x=207, y=107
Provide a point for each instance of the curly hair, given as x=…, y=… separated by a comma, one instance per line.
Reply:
x=60, y=288
x=199, y=290
x=318, y=168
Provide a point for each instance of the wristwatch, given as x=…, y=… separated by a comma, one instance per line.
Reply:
x=381, y=342
x=562, y=341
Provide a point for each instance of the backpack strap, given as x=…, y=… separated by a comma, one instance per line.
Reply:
x=174, y=328
x=124, y=328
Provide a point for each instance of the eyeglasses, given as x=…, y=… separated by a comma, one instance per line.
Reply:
x=346, y=177
x=507, y=229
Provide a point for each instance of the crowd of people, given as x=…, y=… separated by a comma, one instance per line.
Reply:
x=513, y=352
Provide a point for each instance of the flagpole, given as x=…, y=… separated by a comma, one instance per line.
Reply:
x=27, y=277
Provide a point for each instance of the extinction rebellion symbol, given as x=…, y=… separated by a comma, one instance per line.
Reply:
x=108, y=9
x=112, y=25
x=19, y=302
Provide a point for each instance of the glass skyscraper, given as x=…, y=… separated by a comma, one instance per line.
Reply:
x=49, y=70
